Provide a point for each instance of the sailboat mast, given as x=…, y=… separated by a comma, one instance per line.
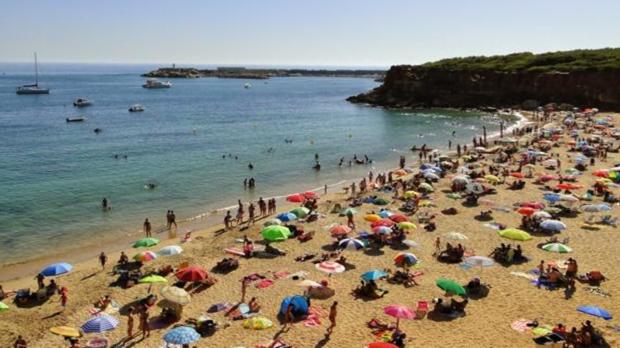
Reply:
x=36, y=70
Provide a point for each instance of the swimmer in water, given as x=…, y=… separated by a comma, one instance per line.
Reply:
x=250, y=166
x=453, y=133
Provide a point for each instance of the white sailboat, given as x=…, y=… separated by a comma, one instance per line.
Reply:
x=33, y=89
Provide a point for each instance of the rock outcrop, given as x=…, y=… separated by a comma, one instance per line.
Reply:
x=407, y=86
x=243, y=73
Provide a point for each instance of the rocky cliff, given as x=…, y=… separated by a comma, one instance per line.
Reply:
x=408, y=86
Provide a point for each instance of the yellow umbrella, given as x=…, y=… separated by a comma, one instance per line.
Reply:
x=604, y=181
x=491, y=178
x=372, y=217
x=65, y=331
x=411, y=194
x=257, y=323
x=426, y=203
x=153, y=279
x=407, y=225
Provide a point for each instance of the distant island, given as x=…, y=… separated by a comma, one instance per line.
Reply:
x=525, y=80
x=250, y=73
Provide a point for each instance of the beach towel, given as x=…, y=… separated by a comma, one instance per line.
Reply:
x=525, y=275
x=218, y=307
x=595, y=290
x=281, y=274
x=265, y=283
x=520, y=325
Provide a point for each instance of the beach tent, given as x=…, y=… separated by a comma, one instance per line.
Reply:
x=299, y=303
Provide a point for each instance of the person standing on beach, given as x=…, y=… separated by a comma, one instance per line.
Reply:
x=333, y=312
x=130, y=322
x=262, y=207
x=144, y=323
x=168, y=219
x=173, y=219
x=240, y=213
x=273, y=203
x=40, y=280
x=147, y=228
x=103, y=258
x=437, y=246
x=64, y=297
x=251, y=214
x=325, y=189
x=20, y=342
x=227, y=219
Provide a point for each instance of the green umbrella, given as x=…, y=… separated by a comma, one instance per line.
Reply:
x=3, y=307
x=153, y=279
x=275, y=233
x=146, y=242
x=381, y=201
x=451, y=286
x=557, y=247
x=515, y=234
x=348, y=211
x=300, y=212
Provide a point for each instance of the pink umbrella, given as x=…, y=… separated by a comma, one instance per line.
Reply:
x=330, y=267
x=382, y=230
x=383, y=222
x=399, y=312
x=547, y=177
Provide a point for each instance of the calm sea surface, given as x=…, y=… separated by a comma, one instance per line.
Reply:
x=54, y=174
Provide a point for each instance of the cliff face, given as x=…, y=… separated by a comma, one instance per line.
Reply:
x=415, y=86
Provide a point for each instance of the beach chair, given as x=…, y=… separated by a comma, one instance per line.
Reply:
x=421, y=309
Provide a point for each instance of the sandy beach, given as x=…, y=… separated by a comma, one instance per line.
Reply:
x=487, y=322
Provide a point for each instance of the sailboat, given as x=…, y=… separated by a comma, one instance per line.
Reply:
x=33, y=89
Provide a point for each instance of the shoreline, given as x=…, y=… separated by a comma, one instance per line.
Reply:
x=206, y=221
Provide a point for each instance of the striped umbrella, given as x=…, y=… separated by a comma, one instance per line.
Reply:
x=351, y=244
x=557, y=248
x=145, y=256
x=181, y=335
x=405, y=259
x=100, y=323
x=330, y=267
x=382, y=230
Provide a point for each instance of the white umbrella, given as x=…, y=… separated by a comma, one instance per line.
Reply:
x=455, y=236
x=170, y=250
x=553, y=225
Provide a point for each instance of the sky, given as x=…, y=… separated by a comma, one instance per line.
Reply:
x=369, y=33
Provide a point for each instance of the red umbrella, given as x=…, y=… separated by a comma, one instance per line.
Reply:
x=517, y=175
x=381, y=345
x=533, y=205
x=339, y=230
x=527, y=211
x=601, y=173
x=398, y=218
x=191, y=274
x=296, y=198
x=567, y=186
x=548, y=177
x=310, y=195
x=382, y=222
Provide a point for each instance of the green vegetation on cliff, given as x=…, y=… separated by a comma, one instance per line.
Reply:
x=565, y=61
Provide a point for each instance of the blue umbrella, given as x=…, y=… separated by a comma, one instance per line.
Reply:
x=374, y=275
x=287, y=217
x=595, y=311
x=56, y=269
x=100, y=323
x=299, y=303
x=551, y=197
x=181, y=335
x=385, y=214
x=553, y=225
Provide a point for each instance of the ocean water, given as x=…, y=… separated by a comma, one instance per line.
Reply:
x=54, y=174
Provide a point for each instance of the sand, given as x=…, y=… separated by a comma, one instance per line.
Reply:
x=487, y=323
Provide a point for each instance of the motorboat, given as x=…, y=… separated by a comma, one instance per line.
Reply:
x=81, y=102
x=34, y=88
x=75, y=119
x=136, y=108
x=155, y=83
x=247, y=85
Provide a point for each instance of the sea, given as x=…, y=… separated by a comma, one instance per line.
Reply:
x=194, y=142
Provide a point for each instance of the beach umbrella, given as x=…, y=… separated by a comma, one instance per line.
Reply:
x=285, y=217
x=551, y=197
x=385, y=213
x=374, y=275
x=514, y=234
x=145, y=256
x=257, y=323
x=56, y=269
x=411, y=194
x=3, y=307
x=191, y=274
x=407, y=225
x=453, y=195
x=299, y=303
x=426, y=187
x=405, y=259
x=492, y=178
x=310, y=195
x=330, y=267
x=100, y=323
x=547, y=177
x=351, y=244
x=275, y=233
x=381, y=345
x=479, y=261
x=382, y=230
x=601, y=173
x=398, y=218
x=474, y=187
x=307, y=283
x=152, y=279
x=181, y=335
x=296, y=198
x=541, y=214
x=567, y=186
x=595, y=208
x=553, y=225
x=517, y=175
x=399, y=312
x=568, y=198
x=460, y=180
x=272, y=222
x=348, y=211
x=455, y=236
x=450, y=286
x=372, y=217
x=533, y=205
x=381, y=201
x=383, y=222
x=557, y=248
x=170, y=250
x=340, y=230
x=412, y=244
x=431, y=176
x=65, y=331
x=595, y=311
x=175, y=295
x=145, y=242
x=527, y=211
x=300, y=212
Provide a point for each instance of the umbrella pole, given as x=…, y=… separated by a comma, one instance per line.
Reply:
x=397, y=322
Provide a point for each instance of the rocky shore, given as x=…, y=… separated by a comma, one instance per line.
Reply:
x=243, y=73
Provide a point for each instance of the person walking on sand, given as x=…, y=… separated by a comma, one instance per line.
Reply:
x=147, y=228
x=64, y=297
x=40, y=280
x=103, y=258
x=437, y=246
x=130, y=322
x=333, y=312
x=262, y=206
x=144, y=323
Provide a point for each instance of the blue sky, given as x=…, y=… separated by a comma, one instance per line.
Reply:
x=296, y=32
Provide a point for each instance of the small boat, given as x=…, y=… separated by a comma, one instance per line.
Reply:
x=136, y=108
x=247, y=85
x=155, y=83
x=34, y=88
x=76, y=119
x=81, y=102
